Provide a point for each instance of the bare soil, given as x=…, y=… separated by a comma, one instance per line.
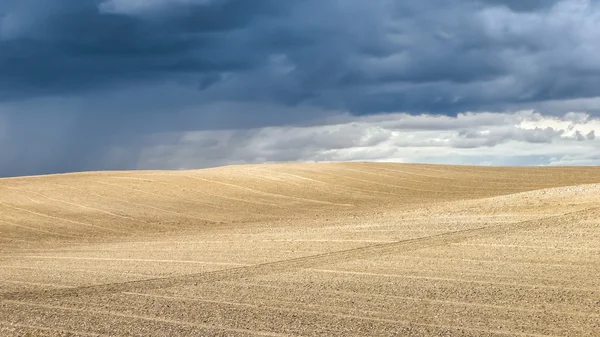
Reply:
x=345, y=249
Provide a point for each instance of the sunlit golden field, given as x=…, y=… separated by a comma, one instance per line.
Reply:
x=346, y=249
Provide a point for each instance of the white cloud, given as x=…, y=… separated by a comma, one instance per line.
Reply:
x=519, y=138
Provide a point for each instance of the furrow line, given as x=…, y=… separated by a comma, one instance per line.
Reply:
x=358, y=316
x=50, y=330
x=312, y=261
x=63, y=219
x=37, y=229
x=252, y=190
x=77, y=205
x=147, y=318
x=449, y=279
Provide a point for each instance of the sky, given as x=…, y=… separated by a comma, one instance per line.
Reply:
x=182, y=84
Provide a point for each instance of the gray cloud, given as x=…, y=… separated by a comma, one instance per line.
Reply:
x=90, y=84
x=523, y=5
x=364, y=57
x=591, y=135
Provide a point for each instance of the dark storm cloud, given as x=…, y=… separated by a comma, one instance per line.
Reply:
x=68, y=46
x=523, y=5
x=411, y=55
x=81, y=79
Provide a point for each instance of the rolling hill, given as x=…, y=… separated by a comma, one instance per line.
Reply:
x=301, y=249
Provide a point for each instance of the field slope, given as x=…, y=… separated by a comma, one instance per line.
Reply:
x=344, y=249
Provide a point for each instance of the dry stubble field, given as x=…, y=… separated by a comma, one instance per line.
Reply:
x=303, y=249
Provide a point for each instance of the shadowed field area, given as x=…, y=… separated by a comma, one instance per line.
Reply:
x=344, y=249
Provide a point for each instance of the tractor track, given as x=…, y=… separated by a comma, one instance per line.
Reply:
x=295, y=264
